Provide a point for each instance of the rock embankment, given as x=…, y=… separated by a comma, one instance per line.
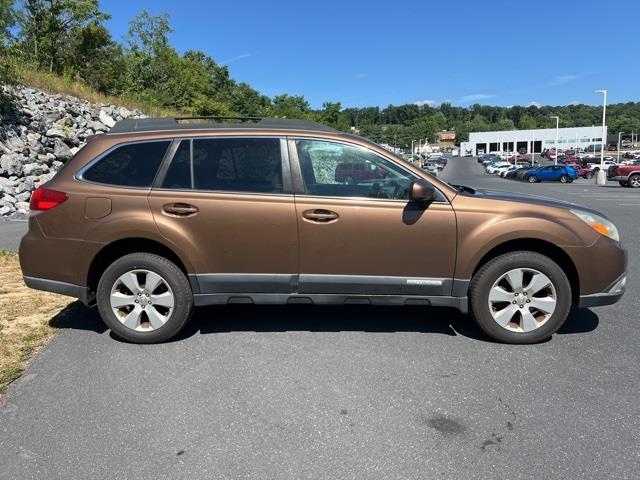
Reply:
x=38, y=134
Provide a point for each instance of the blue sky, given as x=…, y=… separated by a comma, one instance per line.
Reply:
x=367, y=53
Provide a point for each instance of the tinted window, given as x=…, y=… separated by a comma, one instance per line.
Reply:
x=133, y=165
x=179, y=172
x=251, y=165
x=322, y=163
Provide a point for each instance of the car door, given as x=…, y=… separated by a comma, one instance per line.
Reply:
x=367, y=238
x=227, y=202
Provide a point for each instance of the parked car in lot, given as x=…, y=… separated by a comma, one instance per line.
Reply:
x=584, y=172
x=490, y=158
x=557, y=173
x=626, y=175
x=431, y=167
x=595, y=166
x=352, y=173
x=157, y=217
x=493, y=167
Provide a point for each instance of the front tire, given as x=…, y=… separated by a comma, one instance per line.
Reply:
x=144, y=298
x=520, y=297
x=564, y=178
x=532, y=179
x=634, y=181
x=588, y=175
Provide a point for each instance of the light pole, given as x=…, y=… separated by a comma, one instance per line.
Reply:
x=619, y=140
x=533, y=148
x=601, y=178
x=555, y=160
x=412, y=151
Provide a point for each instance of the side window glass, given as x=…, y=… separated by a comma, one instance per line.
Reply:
x=133, y=165
x=179, y=173
x=322, y=164
x=238, y=165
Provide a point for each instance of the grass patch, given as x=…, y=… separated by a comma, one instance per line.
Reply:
x=54, y=84
x=24, y=319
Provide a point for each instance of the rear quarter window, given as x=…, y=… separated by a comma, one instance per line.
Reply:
x=131, y=165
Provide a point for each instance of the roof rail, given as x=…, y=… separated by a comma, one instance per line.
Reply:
x=132, y=125
x=219, y=117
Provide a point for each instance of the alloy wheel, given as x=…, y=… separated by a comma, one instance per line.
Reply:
x=142, y=300
x=634, y=181
x=522, y=300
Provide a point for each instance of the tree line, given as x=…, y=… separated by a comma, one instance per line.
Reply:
x=69, y=38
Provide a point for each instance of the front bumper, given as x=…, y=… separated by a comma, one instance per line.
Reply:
x=609, y=296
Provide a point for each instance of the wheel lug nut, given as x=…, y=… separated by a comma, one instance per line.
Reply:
x=528, y=301
x=521, y=306
x=514, y=302
x=516, y=294
x=525, y=294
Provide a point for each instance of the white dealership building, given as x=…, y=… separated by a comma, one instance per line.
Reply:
x=530, y=140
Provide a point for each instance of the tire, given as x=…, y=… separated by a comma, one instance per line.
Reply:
x=564, y=178
x=588, y=175
x=349, y=180
x=623, y=183
x=532, y=179
x=172, y=289
x=519, y=331
x=634, y=181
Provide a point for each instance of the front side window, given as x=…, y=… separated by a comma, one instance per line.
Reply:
x=337, y=170
x=132, y=165
x=252, y=165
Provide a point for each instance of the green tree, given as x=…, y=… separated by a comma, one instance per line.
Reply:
x=48, y=29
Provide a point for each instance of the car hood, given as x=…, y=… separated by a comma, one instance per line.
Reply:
x=524, y=198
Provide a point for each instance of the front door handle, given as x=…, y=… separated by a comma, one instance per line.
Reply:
x=320, y=215
x=180, y=209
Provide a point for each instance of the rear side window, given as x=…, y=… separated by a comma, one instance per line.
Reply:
x=132, y=165
x=251, y=165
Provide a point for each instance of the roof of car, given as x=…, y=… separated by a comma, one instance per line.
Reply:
x=135, y=125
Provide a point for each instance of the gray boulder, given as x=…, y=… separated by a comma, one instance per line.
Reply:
x=61, y=151
x=11, y=164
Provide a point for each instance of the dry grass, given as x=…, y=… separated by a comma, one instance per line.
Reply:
x=54, y=84
x=24, y=319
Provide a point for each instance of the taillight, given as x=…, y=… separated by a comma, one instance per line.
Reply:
x=46, y=198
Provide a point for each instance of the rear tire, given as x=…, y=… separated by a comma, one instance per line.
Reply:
x=526, y=324
x=588, y=175
x=564, y=178
x=349, y=180
x=532, y=179
x=144, y=298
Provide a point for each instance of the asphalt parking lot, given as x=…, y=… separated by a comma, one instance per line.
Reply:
x=295, y=392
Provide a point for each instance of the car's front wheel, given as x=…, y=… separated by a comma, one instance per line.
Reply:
x=565, y=178
x=588, y=175
x=144, y=298
x=634, y=181
x=520, y=297
x=532, y=179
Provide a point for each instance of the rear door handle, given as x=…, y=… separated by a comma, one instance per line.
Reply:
x=180, y=209
x=320, y=215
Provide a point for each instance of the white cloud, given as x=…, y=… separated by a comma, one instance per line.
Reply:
x=474, y=97
x=575, y=102
x=533, y=103
x=420, y=103
x=235, y=59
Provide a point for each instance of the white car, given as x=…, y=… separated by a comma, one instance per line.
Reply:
x=492, y=168
x=502, y=171
x=596, y=165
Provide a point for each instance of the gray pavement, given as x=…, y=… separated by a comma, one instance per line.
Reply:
x=339, y=392
x=11, y=231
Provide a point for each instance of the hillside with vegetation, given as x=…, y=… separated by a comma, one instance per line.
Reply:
x=63, y=46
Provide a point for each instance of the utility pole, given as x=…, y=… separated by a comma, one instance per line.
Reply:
x=601, y=178
x=555, y=160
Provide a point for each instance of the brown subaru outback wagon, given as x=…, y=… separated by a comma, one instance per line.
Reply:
x=161, y=215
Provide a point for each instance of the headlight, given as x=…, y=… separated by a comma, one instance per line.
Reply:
x=598, y=223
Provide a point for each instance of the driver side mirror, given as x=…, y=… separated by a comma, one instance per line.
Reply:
x=421, y=191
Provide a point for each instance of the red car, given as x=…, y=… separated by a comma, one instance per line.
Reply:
x=352, y=173
x=584, y=172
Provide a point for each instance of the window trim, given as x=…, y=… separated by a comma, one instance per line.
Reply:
x=79, y=175
x=300, y=188
x=287, y=188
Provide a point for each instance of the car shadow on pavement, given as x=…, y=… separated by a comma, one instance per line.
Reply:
x=319, y=318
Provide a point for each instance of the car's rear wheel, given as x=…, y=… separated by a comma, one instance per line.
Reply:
x=532, y=179
x=588, y=175
x=564, y=178
x=144, y=298
x=634, y=181
x=520, y=297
